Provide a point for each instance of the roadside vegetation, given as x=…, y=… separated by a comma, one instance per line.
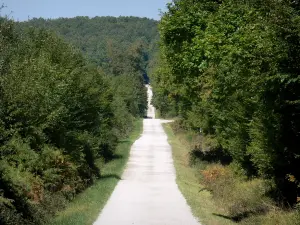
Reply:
x=85, y=208
x=229, y=72
x=219, y=194
x=63, y=122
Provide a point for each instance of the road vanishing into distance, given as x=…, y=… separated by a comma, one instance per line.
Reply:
x=148, y=194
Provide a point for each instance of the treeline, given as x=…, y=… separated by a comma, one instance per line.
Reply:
x=60, y=118
x=104, y=40
x=230, y=71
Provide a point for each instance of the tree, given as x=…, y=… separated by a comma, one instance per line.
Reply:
x=233, y=67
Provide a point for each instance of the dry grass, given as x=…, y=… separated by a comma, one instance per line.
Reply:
x=275, y=217
x=239, y=197
x=188, y=180
x=221, y=195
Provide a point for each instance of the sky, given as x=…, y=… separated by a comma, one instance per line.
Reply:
x=23, y=9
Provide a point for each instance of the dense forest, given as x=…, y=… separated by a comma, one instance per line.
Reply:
x=69, y=90
x=229, y=70
x=106, y=41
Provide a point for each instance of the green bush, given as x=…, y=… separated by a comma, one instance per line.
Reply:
x=275, y=217
x=232, y=68
x=57, y=118
x=248, y=197
x=238, y=196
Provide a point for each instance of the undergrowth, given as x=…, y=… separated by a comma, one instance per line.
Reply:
x=85, y=208
x=227, y=194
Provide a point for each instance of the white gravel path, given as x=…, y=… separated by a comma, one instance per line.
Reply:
x=147, y=194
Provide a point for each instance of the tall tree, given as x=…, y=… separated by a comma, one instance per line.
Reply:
x=233, y=67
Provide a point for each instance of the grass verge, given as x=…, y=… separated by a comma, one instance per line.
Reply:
x=232, y=195
x=187, y=178
x=85, y=208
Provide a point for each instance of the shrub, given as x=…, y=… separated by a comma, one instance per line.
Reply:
x=56, y=121
x=275, y=217
x=218, y=179
x=238, y=196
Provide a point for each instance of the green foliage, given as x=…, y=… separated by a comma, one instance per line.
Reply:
x=104, y=39
x=133, y=92
x=232, y=68
x=237, y=196
x=275, y=217
x=122, y=46
x=85, y=208
x=58, y=116
x=222, y=194
x=163, y=98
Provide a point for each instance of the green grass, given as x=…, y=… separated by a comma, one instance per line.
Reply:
x=85, y=208
x=187, y=178
x=213, y=211
x=275, y=218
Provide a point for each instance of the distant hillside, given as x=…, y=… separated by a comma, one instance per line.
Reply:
x=103, y=38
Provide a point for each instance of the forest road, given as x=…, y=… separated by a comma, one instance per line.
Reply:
x=148, y=194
